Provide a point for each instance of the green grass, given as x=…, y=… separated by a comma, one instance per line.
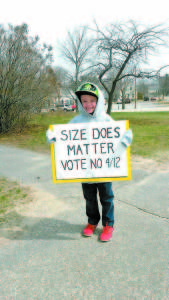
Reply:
x=11, y=194
x=150, y=129
x=33, y=136
x=151, y=132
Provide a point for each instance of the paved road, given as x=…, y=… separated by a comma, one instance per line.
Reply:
x=141, y=106
x=49, y=259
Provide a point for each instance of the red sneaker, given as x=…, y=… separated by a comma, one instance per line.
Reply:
x=89, y=230
x=106, y=234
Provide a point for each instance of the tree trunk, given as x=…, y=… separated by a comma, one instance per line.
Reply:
x=110, y=98
x=109, y=104
x=123, y=103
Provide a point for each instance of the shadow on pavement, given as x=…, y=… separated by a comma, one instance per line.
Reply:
x=42, y=228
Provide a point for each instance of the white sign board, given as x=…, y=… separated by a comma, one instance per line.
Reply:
x=87, y=152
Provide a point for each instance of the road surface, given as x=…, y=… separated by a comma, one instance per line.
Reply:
x=45, y=257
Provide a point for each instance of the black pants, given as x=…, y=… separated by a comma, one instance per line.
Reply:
x=106, y=199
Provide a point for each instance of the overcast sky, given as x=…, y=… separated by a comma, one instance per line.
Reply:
x=51, y=20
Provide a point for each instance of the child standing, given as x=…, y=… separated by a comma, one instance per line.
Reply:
x=91, y=108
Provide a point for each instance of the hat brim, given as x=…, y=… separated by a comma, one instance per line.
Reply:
x=80, y=93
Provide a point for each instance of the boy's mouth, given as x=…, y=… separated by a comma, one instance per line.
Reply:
x=90, y=110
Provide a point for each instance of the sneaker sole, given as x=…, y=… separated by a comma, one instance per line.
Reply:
x=104, y=241
x=86, y=235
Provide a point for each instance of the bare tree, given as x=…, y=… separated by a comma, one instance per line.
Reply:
x=75, y=50
x=120, y=48
x=63, y=78
x=26, y=77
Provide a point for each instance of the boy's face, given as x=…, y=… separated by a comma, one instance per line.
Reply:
x=88, y=103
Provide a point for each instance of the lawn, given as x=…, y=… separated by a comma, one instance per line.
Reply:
x=150, y=129
x=151, y=133
x=11, y=195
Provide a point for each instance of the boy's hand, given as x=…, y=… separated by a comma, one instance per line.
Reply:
x=127, y=138
x=124, y=142
x=51, y=138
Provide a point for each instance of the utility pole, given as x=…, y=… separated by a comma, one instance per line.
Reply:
x=135, y=89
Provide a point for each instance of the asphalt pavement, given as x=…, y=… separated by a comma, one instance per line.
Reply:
x=141, y=106
x=47, y=258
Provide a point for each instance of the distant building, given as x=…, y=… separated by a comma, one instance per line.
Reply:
x=129, y=92
x=62, y=97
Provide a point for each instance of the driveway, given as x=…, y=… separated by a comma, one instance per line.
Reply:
x=141, y=106
x=45, y=257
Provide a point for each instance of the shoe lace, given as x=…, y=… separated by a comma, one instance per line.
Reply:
x=90, y=226
x=107, y=229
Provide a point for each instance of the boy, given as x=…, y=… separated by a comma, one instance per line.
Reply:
x=91, y=108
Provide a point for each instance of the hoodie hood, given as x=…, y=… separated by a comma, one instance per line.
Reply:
x=99, y=110
x=99, y=114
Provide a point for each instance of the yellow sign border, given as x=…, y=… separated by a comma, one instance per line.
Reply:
x=104, y=179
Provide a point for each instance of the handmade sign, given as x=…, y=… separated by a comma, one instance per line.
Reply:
x=86, y=152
